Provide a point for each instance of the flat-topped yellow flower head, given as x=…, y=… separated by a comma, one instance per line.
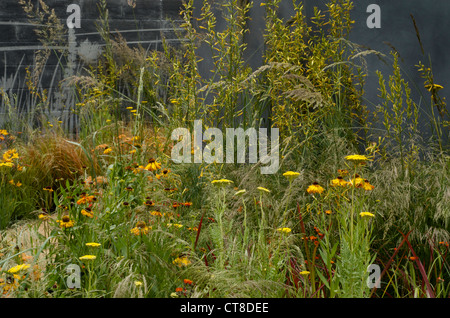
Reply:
x=357, y=159
x=221, y=182
x=291, y=175
x=88, y=257
x=93, y=244
x=263, y=189
x=284, y=230
x=367, y=214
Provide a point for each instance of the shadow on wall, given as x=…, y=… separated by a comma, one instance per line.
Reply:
x=397, y=33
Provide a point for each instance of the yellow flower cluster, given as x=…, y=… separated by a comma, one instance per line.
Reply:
x=284, y=230
x=7, y=158
x=181, y=261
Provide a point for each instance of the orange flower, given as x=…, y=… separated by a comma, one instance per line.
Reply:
x=188, y=281
x=155, y=213
x=339, y=181
x=315, y=188
x=87, y=212
x=65, y=222
x=84, y=198
x=102, y=146
x=367, y=186
x=141, y=228
x=152, y=165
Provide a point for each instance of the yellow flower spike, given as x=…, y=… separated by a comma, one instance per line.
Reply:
x=137, y=283
x=433, y=87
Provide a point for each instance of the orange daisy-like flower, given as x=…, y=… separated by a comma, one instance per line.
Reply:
x=367, y=186
x=152, y=165
x=141, y=228
x=315, y=188
x=155, y=213
x=102, y=146
x=357, y=181
x=339, y=181
x=87, y=212
x=188, y=281
x=49, y=189
x=65, y=222
x=170, y=189
x=85, y=198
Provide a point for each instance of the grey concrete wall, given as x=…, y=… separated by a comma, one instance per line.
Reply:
x=146, y=23
x=150, y=19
